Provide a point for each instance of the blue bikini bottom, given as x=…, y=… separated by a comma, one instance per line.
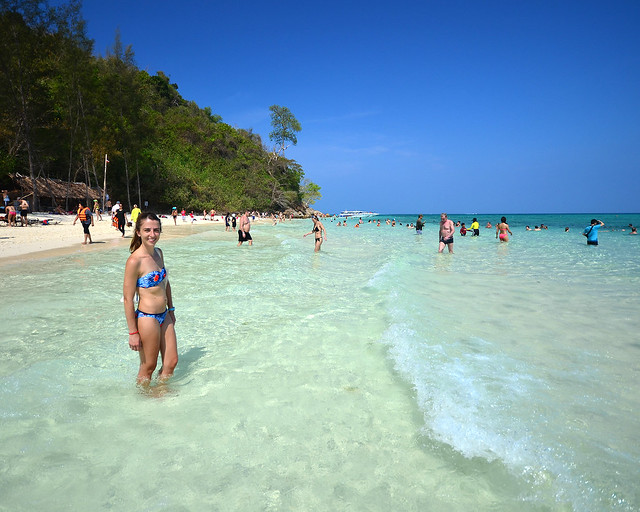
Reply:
x=158, y=316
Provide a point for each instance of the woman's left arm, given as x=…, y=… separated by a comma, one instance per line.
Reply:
x=167, y=292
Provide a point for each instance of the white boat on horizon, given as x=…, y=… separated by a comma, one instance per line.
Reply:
x=356, y=213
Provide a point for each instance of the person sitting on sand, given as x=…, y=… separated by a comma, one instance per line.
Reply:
x=152, y=324
x=501, y=230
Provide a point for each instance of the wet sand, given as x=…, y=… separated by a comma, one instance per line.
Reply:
x=60, y=236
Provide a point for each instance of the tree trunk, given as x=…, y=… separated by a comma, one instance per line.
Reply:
x=138, y=179
x=126, y=173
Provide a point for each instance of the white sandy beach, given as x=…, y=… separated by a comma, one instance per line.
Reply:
x=61, y=236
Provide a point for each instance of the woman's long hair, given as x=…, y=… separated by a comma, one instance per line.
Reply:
x=137, y=241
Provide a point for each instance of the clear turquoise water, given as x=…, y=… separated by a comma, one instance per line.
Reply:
x=376, y=375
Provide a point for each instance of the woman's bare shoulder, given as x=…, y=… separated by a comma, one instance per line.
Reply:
x=133, y=261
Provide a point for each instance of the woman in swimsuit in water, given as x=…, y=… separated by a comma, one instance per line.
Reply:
x=151, y=326
x=501, y=230
x=318, y=230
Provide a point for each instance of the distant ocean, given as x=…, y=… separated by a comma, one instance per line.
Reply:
x=376, y=375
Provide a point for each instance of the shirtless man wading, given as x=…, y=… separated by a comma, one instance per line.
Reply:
x=446, y=233
x=245, y=227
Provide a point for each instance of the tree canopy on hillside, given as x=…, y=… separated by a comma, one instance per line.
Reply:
x=62, y=109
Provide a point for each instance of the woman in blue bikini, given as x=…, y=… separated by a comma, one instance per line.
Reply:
x=151, y=325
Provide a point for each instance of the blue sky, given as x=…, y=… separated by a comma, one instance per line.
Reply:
x=424, y=106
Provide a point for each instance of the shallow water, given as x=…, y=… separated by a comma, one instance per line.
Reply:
x=376, y=375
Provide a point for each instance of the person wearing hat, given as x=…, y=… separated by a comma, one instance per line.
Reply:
x=96, y=209
x=134, y=213
x=174, y=214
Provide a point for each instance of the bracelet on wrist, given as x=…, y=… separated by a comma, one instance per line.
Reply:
x=132, y=333
x=171, y=309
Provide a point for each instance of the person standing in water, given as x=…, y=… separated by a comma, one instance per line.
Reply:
x=245, y=226
x=319, y=230
x=419, y=225
x=152, y=324
x=446, y=233
x=475, y=227
x=591, y=232
x=501, y=230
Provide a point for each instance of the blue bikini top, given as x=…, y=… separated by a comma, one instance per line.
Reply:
x=153, y=278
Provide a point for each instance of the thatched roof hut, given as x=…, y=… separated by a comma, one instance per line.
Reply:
x=57, y=191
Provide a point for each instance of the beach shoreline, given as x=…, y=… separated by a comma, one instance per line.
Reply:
x=60, y=237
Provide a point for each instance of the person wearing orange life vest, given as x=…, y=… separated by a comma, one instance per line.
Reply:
x=86, y=219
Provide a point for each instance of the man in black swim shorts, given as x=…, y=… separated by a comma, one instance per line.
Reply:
x=446, y=233
x=245, y=227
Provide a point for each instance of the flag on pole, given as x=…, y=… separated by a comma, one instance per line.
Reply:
x=106, y=160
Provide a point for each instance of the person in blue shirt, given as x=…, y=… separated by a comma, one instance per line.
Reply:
x=591, y=232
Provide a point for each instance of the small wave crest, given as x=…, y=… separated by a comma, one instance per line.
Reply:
x=485, y=404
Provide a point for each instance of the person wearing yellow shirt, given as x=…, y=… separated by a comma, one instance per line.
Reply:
x=475, y=227
x=134, y=213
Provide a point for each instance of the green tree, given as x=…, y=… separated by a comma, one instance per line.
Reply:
x=25, y=49
x=285, y=127
x=310, y=192
x=62, y=109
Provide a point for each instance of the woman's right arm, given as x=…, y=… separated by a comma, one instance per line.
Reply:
x=128, y=292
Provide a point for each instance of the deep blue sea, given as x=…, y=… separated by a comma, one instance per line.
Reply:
x=375, y=375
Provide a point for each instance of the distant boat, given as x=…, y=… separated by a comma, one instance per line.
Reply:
x=356, y=213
